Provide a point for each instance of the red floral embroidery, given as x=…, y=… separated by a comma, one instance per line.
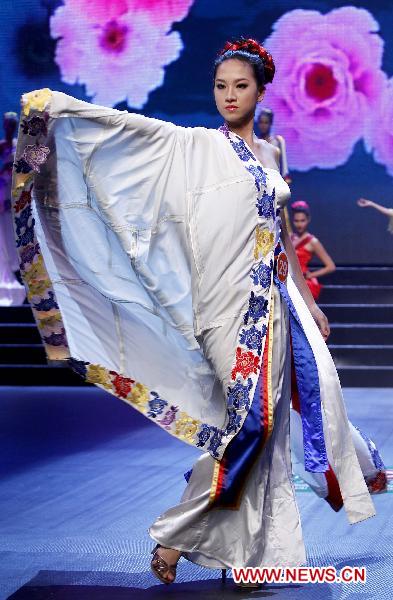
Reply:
x=122, y=385
x=24, y=200
x=378, y=484
x=246, y=363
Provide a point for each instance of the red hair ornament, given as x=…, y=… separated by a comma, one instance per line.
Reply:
x=253, y=47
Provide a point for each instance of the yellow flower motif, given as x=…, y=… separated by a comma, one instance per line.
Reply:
x=37, y=100
x=21, y=180
x=186, y=427
x=139, y=395
x=38, y=288
x=37, y=271
x=51, y=321
x=100, y=375
x=264, y=242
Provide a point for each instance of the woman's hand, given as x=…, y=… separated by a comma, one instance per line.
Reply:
x=321, y=320
x=364, y=203
x=308, y=275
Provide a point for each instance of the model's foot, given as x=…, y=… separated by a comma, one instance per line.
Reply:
x=164, y=563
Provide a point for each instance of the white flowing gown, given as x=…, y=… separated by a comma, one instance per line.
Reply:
x=266, y=529
x=147, y=250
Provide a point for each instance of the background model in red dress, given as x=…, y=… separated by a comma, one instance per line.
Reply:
x=307, y=246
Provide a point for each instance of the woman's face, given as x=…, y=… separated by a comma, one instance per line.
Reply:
x=264, y=124
x=300, y=222
x=236, y=92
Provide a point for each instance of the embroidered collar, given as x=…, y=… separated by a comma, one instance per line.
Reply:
x=242, y=149
x=251, y=163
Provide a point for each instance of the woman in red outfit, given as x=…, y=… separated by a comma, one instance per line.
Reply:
x=307, y=246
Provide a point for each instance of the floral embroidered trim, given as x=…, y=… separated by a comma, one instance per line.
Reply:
x=262, y=275
x=56, y=339
x=246, y=363
x=234, y=421
x=265, y=204
x=46, y=304
x=186, y=427
x=252, y=336
x=156, y=405
x=376, y=457
x=258, y=174
x=27, y=237
x=21, y=166
x=35, y=156
x=23, y=221
x=122, y=385
x=27, y=255
x=152, y=405
x=242, y=151
x=36, y=272
x=35, y=126
x=169, y=417
x=41, y=294
x=30, y=160
x=239, y=395
x=377, y=484
x=258, y=307
x=264, y=241
x=50, y=321
x=24, y=200
x=36, y=100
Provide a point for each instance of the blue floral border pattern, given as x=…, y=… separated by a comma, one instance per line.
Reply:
x=252, y=335
x=31, y=154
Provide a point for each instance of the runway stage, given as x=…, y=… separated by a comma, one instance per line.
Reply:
x=83, y=476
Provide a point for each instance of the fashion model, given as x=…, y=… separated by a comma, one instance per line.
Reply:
x=11, y=291
x=388, y=212
x=159, y=266
x=307, y=246
x=265, y=119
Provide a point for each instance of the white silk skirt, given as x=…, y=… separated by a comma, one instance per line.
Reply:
x=266, y=529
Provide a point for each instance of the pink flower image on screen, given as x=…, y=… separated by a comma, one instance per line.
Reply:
x=379, y=135
x=117, y=48
x=328, y=83
x=163, y=11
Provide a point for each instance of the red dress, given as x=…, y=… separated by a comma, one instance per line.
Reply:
x=304, y=257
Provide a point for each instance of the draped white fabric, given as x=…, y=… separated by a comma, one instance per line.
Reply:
x=147, y=231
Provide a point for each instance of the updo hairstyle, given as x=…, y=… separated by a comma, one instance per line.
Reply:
x=249, y=50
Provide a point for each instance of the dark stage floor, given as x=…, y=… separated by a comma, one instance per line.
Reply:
x=83, y=476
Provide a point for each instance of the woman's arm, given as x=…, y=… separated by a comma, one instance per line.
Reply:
x=324, y=257
x=297, y=275
x=363, y=203
x=283, y=158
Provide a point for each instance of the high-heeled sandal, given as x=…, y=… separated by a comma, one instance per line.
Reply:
x=160, y=567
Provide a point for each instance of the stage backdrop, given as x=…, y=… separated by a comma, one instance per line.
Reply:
x=332, y=96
